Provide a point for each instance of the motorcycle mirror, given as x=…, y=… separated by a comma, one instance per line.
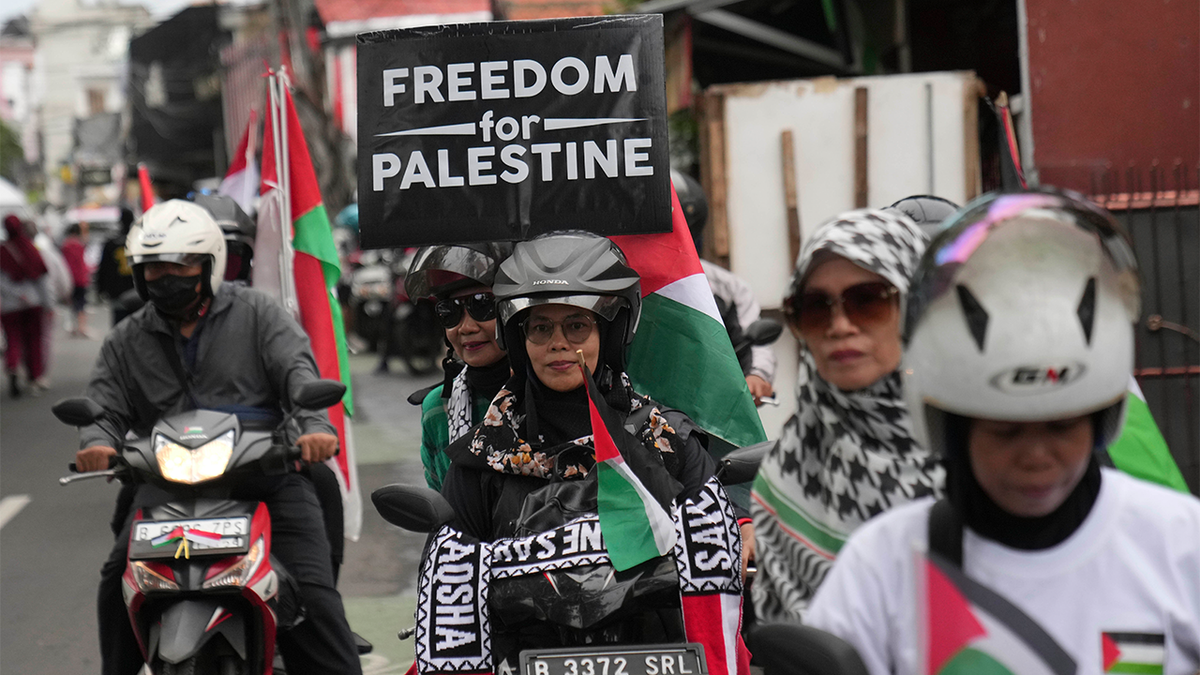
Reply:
x=803, y=650
x=78, y=412
x=412, y=507
x=320, y=394
x=763, y=331
x=741, y=465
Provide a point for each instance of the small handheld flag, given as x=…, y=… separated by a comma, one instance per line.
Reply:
x=634, y=493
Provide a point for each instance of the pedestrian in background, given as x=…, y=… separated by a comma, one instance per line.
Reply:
x=114, y=277
x=72, y=250
x=24, y=296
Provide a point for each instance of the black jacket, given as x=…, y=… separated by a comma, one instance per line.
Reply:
x=488, y=502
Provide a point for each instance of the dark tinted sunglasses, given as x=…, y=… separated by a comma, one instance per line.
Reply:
x=481, y=307
x=577, y=329
x=864, y=305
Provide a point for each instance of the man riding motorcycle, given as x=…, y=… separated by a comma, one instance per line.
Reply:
x=199, y=343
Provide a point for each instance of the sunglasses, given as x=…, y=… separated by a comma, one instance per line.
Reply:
x=577, y=329
x=481, y=307
x=864, y=305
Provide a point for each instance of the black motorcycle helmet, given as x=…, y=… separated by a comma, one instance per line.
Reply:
x=239, y=229
x=440, y=270
x=575, y=268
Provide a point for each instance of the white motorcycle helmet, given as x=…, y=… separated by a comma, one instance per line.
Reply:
x=1022, y=309
x=181, y=232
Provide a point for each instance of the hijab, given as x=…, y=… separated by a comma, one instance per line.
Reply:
x=844, y=456
x=19, y=257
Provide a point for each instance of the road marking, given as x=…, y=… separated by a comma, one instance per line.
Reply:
x=11, y=506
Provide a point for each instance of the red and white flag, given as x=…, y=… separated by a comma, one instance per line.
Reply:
x=241, y=181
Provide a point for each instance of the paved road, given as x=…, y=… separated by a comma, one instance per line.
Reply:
x=53, y=539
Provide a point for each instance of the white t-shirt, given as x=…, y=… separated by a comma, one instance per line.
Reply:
x=1132, y=567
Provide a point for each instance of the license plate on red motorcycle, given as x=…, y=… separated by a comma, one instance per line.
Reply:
x=672, y=659
x=186, y=538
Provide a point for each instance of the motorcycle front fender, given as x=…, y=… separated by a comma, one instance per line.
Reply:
x=188, y=625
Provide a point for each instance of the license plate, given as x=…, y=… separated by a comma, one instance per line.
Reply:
x=676, y=659
x=208, y=536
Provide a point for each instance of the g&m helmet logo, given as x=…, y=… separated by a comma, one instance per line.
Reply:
x=1037, y=379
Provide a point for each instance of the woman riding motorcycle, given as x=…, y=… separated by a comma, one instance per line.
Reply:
x=1019, y=345
x=458, y=278
x=559, y=293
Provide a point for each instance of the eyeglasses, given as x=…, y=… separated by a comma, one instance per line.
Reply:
x=481, y=307
x=863, y=304
x=577, y=329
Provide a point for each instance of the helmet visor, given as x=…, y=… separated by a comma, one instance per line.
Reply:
x=964, y=234
x=606, y=306
x=422, y=279
x=185, y=259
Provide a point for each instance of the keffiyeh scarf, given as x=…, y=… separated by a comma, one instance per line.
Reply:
x=844, y=457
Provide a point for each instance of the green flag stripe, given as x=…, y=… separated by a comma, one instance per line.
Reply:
x=973, y=662
x=795, y=518
x=1136, y=668
x=1141, y=451
x=674, y=362
x=622, y=515
x=312, y=234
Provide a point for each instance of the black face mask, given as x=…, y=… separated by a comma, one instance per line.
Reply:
x=175, y=297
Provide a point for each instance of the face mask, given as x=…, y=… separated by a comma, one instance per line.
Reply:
x=176, y=297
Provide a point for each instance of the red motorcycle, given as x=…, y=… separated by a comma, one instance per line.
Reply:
x=203, y=592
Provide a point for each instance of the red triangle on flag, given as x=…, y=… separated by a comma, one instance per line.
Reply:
x=952, y=624
x=1111, y=652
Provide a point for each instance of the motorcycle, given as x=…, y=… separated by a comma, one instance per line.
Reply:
x=203, y=592
x=413, y=333
x=371, y=285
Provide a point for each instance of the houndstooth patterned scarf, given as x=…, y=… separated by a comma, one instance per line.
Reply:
x=844, y=456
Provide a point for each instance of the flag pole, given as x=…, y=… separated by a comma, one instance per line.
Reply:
x=287, y=281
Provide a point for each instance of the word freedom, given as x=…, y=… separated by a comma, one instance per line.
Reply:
x=493, y=80
x=571, y=159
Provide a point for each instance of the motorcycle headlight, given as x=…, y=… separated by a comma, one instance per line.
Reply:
x=193, y=465
x=149, y=580
x=241, y=571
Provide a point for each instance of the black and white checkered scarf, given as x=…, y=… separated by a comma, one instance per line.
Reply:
x=845, y=456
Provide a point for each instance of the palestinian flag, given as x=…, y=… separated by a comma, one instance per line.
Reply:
x=967, y=628
x=1139, y=653
x=1140, y=450
x=682, y=356
x=634, y=490
x=241, y=180
x=315, y=271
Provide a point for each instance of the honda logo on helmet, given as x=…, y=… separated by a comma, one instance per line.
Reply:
x=539, y=282
x=1037, y=379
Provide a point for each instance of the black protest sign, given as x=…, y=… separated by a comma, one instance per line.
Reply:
x=505, y=130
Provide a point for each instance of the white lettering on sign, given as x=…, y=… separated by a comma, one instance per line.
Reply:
x=586, y=160
x=490, y=80
x=391, y=87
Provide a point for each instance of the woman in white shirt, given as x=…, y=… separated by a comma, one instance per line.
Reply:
x=1018, y=350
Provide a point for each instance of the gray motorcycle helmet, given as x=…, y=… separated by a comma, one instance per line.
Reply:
x=575, y=268
x=439, y=270
x=239, y=230
x=927, y=211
